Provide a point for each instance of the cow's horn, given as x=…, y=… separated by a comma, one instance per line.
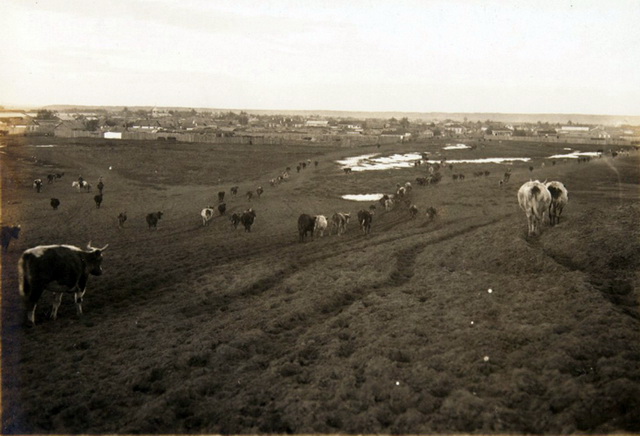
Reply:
x=103, y=248
x=89, y=247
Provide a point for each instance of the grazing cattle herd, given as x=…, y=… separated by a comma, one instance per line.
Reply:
x=65, y=269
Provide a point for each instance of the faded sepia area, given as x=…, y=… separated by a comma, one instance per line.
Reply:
x=359, y=217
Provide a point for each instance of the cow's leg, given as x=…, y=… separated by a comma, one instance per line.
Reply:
x=31, y=312
x=78, y=300
x=57, y=300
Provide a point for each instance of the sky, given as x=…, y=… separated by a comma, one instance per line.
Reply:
x=537, y=56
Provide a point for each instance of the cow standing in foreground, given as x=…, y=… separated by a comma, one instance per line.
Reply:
x=9, y=233
x=152, y=219
x=365, y=218
x=55, y=203
x=559, y=199
x=98, y=200
x=534, y=199
x=306, y=224
x=59, y=269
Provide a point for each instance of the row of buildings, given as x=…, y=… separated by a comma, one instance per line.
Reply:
x=114, y=124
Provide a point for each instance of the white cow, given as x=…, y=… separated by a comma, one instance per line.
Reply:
x=320, y=225
x=559, y=199
x=534, y=199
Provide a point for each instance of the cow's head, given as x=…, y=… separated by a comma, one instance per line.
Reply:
x=15, y=231
x=93, y=259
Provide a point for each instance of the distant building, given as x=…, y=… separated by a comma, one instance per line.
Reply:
x=316, y=123
x=502, y=132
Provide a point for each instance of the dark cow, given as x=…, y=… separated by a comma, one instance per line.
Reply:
x=431, y=212
x=152, y=219
x=315, y=163
x=37, y=185
x=222, y=208
x=51, y=178
x=306, y=224
x=249, y=195
x=346, y=170
x=59, y=175
x=98, y=200
x=234, y=190
x=364, y=219
x=9, y=233
x=220, y=196
x=122, y=217
x=413, y=210
x=259, y=191
x=235, y=220
x=247, y=219
x=55, y=203
x=100, y=187
x=59, y=269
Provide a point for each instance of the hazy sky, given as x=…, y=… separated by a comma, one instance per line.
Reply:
x=552, y=56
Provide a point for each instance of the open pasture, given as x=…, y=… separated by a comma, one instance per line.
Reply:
x=457, y=324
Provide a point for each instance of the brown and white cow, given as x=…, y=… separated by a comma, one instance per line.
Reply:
x=339, y=221
x=207, y=215
x=59, y=269
x=559, y=199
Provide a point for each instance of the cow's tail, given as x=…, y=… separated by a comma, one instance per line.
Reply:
x=23, y=276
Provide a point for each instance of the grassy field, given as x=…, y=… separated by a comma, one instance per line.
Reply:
x=196, y=329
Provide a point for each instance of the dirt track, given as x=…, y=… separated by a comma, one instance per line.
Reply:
x=209, y=329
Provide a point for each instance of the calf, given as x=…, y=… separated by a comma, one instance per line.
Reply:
x=320, y=225
x=259, y=191
x=234, y=190
x=54, y=203
x=220, y=196
x=152, y=219
x=249, y=195
x=431, y=213
x=306, y=224
x=9, y=233
x=100, y=186
x=534, y=199
x=364, y=219
x=98, y=200
x=559, y=199
x=59, y=269
x=247, y=219
x=222, y=208
x=51, y=178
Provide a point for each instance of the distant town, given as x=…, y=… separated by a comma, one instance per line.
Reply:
x=220, y=126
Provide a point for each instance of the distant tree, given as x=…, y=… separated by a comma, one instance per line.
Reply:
x=91, y=125
x=142, y=113
x=44, y=114
x=437, y=131
x=404, y=122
